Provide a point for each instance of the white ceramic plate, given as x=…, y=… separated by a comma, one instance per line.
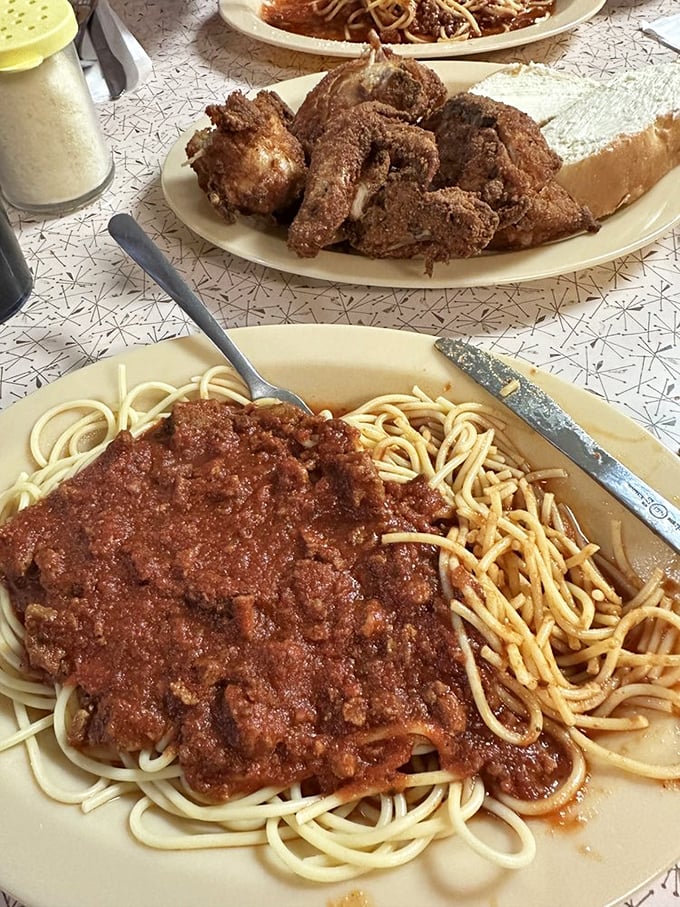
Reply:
x=244, y=16
x=625, y=830
x=629, y=229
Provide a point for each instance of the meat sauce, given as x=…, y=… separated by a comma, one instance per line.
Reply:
x=220, y=583
x=300, y=17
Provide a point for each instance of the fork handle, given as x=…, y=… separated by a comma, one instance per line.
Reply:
x=141, y=248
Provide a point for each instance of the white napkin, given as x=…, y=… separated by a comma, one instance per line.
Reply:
x=124, y=45
x=666, y=30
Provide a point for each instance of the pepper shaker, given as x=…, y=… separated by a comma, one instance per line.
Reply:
x=15, y=278
x=53, y=156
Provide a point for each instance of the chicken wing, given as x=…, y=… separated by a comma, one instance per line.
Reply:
x=552, y=214
x=361, y=149
x=404, y=221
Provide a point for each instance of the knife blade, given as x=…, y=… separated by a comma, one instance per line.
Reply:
x=528, y=401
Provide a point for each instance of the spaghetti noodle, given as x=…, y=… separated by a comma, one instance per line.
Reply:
x=575, y=654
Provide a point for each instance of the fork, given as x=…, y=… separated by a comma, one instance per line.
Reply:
x=141, y=248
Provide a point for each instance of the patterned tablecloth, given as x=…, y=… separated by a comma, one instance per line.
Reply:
x=613, y=329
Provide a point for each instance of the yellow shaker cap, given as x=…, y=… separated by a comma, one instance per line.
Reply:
x=31, y=30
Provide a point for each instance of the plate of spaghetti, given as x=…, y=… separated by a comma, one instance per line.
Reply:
x=397, y=651
x=337, y=28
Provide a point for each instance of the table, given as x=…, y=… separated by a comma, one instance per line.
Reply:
x=613, y=329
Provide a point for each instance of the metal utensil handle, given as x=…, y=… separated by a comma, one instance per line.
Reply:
x=130, y=236
x=112, y=69
x=547, y=417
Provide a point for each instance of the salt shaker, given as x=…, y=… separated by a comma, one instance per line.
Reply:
x=53, y=156
x=15, y=278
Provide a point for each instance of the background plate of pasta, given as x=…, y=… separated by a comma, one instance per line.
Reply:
x=249, y=17
x=576, y=621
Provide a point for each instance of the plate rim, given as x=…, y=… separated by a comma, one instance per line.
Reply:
x=242, y=16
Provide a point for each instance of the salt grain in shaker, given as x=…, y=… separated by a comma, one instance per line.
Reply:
x=53, y=156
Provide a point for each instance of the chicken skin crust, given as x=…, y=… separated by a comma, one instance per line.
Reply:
x=249, y=162
x=361, y=149
x=405, y=221
x=551, y=214
x=378, y=75
x=493, y=150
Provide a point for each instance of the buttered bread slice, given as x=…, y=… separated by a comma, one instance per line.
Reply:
x=538, y=90
x=620, y=138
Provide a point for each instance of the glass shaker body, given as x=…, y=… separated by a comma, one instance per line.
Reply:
x=53, y=156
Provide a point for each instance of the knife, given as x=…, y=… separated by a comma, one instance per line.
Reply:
x=526, y=399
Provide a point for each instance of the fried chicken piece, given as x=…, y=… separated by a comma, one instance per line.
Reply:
x=249, y=163
x=361, y=149
x=492, y=149
x=378, y=75
x=552, y=214
x=404, y=221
